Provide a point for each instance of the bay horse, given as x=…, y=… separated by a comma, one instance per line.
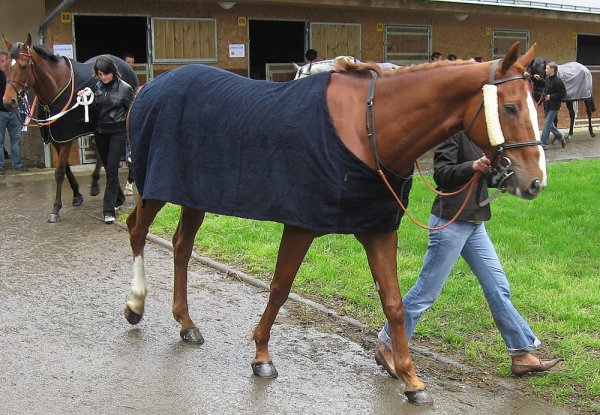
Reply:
x=55, y=81
x=305, y=153
x=578, y=82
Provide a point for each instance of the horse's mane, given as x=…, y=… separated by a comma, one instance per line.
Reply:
x=346, y=66
x=44, y=53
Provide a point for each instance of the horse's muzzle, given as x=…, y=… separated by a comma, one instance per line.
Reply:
x=535, y=188
x=10, y=104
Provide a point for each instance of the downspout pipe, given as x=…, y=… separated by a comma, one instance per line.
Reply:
x=41, y=41
x=42, y=27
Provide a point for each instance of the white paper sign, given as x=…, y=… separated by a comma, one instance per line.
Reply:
x=237, y=50
x=63, y=50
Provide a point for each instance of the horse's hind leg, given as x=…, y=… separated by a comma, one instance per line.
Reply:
x=77, y=196
x=138, y=224
x=183, y=244
x=381, y=253
x=589, y=108
x=571, y=109
x=292, y=250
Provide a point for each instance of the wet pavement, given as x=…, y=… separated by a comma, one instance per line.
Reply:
x=65, y=347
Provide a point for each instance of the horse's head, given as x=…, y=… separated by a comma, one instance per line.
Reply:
x=538, y=67
x=509, y=131
x=19, y=75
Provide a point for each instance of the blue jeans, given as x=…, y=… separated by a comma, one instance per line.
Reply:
x=9, y=121
x=471, y=241
x=549, y=127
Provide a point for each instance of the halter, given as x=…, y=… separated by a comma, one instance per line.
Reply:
x=502, y=171
x=28, y=111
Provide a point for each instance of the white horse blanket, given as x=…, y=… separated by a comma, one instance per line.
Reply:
x=577, y=79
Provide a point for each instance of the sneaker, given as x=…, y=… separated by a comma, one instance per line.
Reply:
x=128, y=189
x=108, y=219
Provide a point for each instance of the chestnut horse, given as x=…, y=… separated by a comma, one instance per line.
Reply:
x=414, y=109
x=55, y=81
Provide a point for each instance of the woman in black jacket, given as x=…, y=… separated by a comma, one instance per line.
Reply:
x=112, y=99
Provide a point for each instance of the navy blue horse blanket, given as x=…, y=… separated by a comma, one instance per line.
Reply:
x=214, y=141
x=72, y=125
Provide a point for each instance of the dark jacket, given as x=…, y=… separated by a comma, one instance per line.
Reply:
x=2, y=89
x=111, y=103
x=453, y=168
x=556, y=89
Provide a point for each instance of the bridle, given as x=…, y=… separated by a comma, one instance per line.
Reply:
x=502, y=170
x=28, y=110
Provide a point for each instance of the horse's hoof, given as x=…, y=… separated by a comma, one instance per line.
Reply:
x=264, y=370
x=132, y=317
x=95, y=190
x=53, y=218
x=420, y=398
x=78, y=200
x=192, y=335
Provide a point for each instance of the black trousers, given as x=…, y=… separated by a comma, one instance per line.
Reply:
x=110, y=148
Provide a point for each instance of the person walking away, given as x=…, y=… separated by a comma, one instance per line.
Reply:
x=10, y=122
x=455, y=162
x=112, y=99
x=128, y=188
x=554, y=91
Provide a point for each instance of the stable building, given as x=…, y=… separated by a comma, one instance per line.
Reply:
x=262, y=39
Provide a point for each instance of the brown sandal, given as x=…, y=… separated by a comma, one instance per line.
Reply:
x=382, y=362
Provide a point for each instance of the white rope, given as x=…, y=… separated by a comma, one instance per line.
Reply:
x=86, y=99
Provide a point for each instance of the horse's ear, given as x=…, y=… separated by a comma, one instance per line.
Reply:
x=296, y=67
x=511, y=57
x=7, y=43
x=528, y=57
x=28, y=41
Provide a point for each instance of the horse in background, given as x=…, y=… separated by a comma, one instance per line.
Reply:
x=329, y=65
x=55, y=81
x=578, y=82
x=330, y=178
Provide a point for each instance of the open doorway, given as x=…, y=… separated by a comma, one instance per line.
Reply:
x=275, y=41
x=114, y=35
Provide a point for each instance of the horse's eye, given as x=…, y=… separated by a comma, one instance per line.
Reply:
x=511, y=109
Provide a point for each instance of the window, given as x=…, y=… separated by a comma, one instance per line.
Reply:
x=405, y=45
x=502, y=40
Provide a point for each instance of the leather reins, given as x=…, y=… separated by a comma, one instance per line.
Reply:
x=506, y=172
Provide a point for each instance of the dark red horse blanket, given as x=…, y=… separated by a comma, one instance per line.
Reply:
x=214, y=141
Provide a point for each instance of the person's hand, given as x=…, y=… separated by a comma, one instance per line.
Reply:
x=80, y=93
x=537, y=77
x=482, y=164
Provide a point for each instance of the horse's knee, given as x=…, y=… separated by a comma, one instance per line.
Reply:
x=394, y=312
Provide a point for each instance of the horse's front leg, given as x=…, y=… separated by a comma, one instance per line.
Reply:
x=292, y=250
x=381, y=251
x=183, y=244
x=138, y=224
x=59, y=174
x=77, y=196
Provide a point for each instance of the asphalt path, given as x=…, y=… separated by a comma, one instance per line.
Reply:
x=65, y=347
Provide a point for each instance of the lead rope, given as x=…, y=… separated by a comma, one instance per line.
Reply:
x=373, y=141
